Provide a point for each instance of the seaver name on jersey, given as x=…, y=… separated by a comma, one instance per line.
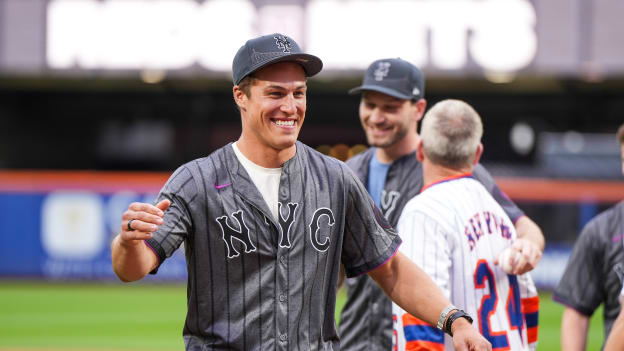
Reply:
x=241, y=233
x=485, y=223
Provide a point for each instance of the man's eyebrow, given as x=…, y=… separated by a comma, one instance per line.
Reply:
x=275, y=87
x=299, y=87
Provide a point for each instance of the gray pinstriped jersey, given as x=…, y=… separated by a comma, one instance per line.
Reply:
x=593, y=274
x=257, y=284
x=366, y=320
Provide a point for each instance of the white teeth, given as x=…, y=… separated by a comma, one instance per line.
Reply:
x=285, y=123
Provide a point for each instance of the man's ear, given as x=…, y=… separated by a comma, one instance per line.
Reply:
x=240, y=98
x=419, y=108
x=420, y=152
x=478, y=154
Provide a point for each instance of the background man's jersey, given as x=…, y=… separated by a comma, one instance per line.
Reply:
x=255, y=283
x=454, y=230
x=594, y=271
x=366, y=319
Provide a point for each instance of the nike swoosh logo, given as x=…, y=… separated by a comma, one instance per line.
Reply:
x=222, y=185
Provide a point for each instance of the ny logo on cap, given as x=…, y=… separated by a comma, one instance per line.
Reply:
x=282, y=43
x=382, y=70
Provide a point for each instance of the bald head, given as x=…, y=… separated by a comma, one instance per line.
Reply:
x=451, y=133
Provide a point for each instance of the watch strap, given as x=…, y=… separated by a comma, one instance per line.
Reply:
x=453, y=317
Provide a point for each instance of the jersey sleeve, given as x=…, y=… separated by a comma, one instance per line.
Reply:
x=426, y=243
x=485, y=178
x=181, y=190
x=369, y=240
x=530, y=308
x=579, y=287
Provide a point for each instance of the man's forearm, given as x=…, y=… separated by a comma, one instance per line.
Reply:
x=411, y=288
x=574, y=327
x=132, y=261
x=615, y=340
x=529, y=230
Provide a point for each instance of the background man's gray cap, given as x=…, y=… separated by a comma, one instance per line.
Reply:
x=269, y=49
x=394, y=77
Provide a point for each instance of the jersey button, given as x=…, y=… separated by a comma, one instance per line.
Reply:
x=282, y=298
x=283, y=337
x=283, y=259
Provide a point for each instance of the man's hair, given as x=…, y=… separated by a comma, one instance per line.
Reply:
x=620, y=134
x=246, y=84
x=451, y=132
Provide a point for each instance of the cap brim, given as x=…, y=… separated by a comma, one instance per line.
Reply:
x=310, y=63
x=380, y=89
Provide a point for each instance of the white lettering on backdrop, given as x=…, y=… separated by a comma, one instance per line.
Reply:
x=499, y=35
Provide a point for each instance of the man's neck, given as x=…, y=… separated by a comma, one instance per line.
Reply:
x=403, y=147
x=433, y=173
x=263, y=155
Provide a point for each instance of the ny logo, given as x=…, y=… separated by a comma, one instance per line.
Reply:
x=229, y=234
x=282, y=43
x=382, y=70
x=388, y=201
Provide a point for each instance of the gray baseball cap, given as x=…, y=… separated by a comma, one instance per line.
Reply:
x=394, y=77
x=269, y=49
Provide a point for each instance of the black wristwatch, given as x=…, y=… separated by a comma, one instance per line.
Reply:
x=453, y=317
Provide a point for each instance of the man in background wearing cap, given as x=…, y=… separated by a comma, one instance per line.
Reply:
x=392, y=103
x=266, y=222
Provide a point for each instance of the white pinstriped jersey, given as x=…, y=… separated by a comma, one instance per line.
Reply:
x=453, y=230
x=366, y=319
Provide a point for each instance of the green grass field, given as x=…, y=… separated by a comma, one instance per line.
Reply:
x=52, y=316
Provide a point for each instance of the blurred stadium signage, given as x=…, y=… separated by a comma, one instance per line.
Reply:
x=66, y=234
x=198, y=38
x=499, y=35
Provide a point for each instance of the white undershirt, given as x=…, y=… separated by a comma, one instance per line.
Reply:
x=266, y=180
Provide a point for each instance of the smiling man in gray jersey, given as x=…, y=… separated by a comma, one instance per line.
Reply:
x=391, y=106
x=266, y=222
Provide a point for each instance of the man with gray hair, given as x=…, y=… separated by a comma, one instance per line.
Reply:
x=455, y=231
x=451, y=136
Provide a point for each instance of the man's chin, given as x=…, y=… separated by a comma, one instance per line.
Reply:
x=379, y=143
x=284, y=144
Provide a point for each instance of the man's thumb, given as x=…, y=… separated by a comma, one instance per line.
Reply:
x=164, y=205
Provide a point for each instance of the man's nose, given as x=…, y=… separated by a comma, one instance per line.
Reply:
x=376, y=116
x=289, y=105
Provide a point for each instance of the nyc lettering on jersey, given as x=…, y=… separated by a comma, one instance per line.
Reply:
x=482, y=223
x=242, y=233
